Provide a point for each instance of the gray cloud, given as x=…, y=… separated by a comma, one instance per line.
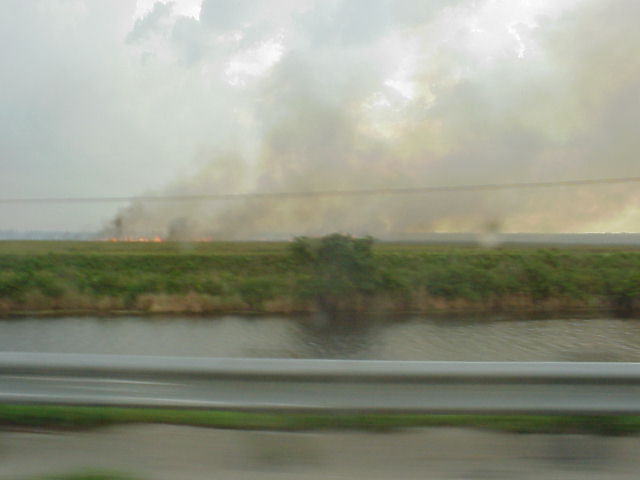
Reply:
x=150, y=23
x=360, y=22
x=363, y=95
x=227, y=14
x=560, y=116
x=85, y=113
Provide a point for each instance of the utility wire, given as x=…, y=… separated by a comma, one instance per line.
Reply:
x=324, y=193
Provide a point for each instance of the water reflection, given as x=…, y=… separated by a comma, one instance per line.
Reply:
x=346, y=336
x=318, y=336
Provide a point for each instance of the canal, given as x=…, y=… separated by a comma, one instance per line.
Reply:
x=316, y=336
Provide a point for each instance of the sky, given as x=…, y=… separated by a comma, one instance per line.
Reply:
x=124, y=98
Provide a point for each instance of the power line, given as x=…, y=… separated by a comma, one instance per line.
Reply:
x=325, y=193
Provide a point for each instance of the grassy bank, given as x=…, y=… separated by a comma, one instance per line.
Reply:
x=87, y=475
x=57, y=417
x=270, y=277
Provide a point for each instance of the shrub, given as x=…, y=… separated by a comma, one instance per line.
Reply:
x=338, y=266
x=13, y=285
x=255, y=291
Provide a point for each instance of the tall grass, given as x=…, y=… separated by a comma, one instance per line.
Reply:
x=274, y=278
x=87, y=474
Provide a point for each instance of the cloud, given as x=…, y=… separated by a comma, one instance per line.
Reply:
x=292, y=95
x=86, y=113
x=226, y=15
x=150, y=23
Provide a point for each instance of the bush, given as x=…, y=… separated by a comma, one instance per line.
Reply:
x=13, y=285
x=338, y=267
x=623, y=291
x=255, y=291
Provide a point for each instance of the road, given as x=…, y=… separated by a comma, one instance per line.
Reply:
x=157, y=452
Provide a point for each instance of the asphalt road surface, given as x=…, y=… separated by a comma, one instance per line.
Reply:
x=157, y=452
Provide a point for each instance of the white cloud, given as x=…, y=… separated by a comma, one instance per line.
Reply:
x=186, y=8
x=253, y=62
x=117, y=98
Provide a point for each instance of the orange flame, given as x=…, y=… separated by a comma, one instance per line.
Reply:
x=156, y=239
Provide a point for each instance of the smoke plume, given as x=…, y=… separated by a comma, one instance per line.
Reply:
x=347, y=94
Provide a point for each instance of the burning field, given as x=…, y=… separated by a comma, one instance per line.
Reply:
x=437, y=96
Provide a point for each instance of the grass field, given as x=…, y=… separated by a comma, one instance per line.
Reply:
x=41, y=247
x=264, y=277
x=88, y=475
x=58, y=417
x=26, y=247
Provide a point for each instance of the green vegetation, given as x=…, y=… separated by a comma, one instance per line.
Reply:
x=337, y=268
x=88, y=475
x=335, y=273
x=57, y=417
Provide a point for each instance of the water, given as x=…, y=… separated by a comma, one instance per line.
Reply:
x=409, y=338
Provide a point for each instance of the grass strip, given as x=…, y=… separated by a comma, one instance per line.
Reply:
x=63, y=417
x=88, y=475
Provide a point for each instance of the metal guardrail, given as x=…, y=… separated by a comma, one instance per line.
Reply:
x=321, y=385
